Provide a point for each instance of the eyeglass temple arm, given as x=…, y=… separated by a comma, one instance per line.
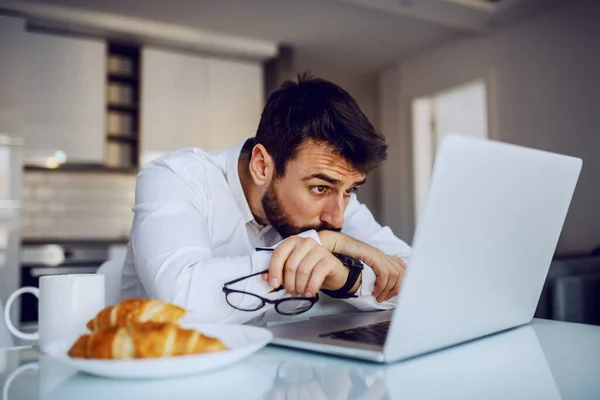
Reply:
x=226, y=284
x=256, y=273
x=244, y=277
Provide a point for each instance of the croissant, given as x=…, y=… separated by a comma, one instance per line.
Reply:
x=136, y=310
x=144, y=340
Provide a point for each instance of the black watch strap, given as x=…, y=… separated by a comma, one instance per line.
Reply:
x=355, y=268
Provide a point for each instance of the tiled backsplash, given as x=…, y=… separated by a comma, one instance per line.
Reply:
x=77, y=205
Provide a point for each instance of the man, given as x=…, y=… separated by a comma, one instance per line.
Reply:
x=201, y=219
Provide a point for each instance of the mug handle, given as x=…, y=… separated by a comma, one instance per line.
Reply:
x=9, y=324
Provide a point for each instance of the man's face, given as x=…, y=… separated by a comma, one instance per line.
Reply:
x=313, y=193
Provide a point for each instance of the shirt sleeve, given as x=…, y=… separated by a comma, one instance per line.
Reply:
x=360, y=224
x=173, y=256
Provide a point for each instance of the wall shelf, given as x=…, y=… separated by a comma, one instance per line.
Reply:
x=123, y=87
x=128, y=108
x=122, y=138
x=122, y=79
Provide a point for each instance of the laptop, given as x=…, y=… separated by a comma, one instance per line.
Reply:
x=481, y=254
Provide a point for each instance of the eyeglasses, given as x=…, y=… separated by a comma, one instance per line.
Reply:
x=287, y=306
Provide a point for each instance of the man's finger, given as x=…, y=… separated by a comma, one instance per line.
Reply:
x=317, y=276
x=396, y=289
x=301, y=249
x=401, y=267
x=290, y=267
x=280, y=255
x=382, y=274
x=393, y=277
x=289, y=278
x=401, y=263
x=304, y=271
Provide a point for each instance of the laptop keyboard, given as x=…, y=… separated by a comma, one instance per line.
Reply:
x=369, y=334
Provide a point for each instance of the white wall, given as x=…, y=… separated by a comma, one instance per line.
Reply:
x=423, y=150
x=397, y=208
x=366, y=94
x=544, y=92
x=461, y=110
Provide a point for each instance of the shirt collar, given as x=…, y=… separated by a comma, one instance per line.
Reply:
x=233, y=180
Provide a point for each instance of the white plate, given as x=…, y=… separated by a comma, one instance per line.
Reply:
x=240, y=339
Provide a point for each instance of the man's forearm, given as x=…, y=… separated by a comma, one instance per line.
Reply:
x=389, y=270
x=337, y=242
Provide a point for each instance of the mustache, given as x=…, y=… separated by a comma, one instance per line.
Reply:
x=324, y=226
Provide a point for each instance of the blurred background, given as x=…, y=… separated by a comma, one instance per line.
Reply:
x=90, y=90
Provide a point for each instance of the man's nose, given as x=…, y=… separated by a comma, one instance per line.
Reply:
x=334, y=213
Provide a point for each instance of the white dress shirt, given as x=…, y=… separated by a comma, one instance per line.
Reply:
x=193, y=231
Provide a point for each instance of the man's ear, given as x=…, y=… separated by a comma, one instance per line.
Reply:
x=262, y=165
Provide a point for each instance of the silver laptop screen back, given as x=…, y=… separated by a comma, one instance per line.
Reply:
x=484, y=245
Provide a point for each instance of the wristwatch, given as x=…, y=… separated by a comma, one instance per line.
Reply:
x=355, y=269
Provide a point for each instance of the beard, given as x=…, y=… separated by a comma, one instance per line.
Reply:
x=280, y=219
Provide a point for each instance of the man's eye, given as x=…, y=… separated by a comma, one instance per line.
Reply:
x=318, y=189
x=351, y=190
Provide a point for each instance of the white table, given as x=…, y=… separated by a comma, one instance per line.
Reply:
x=543, y=360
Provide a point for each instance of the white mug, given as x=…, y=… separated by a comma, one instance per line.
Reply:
x=65, y=304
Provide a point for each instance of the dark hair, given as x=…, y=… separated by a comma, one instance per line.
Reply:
x=314, y=108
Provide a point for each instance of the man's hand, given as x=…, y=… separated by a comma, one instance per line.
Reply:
x=304, y=267
x=389, y=270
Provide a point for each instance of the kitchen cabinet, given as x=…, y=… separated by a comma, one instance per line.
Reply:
x=190, y=100
x=172, y=101
x=65, y=99
x=235, y=101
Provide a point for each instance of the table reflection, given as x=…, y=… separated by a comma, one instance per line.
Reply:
x=297, y=380
x=509, y=365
